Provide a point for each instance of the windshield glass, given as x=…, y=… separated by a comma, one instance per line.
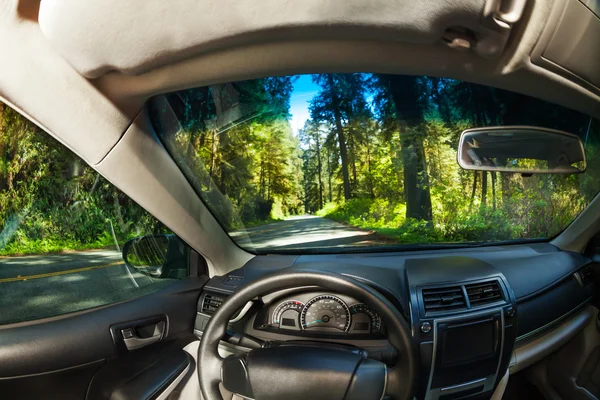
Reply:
x=337, y=162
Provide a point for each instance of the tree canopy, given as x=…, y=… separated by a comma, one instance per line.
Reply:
x=377, y=152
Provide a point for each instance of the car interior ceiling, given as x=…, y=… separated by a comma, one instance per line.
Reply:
x=211, y=317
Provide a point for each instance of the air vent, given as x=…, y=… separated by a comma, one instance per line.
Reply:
x=211, y=303
x=484, y=293
x=444, y=299
x=585, y=276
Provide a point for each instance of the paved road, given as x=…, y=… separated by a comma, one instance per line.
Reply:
x=309, y=232
x=39, y=286
x=46, y=285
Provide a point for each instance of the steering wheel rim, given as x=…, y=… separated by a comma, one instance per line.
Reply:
x=401, y=378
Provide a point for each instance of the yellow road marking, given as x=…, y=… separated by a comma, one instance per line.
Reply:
x=57, y=273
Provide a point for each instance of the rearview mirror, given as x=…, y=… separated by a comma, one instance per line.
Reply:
x=157, y=256
x=521, y=149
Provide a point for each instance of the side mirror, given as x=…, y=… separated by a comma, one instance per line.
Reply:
x=157, y=256
x=521, y=149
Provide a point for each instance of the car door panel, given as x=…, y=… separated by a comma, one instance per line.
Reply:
x=136, y=376
x=58, y=357
x=68, y=383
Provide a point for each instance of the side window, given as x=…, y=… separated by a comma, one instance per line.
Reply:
x=69, y=239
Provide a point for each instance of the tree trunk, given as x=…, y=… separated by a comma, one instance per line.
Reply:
x=494, y=191
x=203, y=113
x=405, y=94
x=191, y=151
x=262, y=179
x=319, y=170
x=505, y=186
x=340, y=134
x=329, y=177
x=95, y=185
x=371, y=191
x=212, y=155
x=352, y=161
x=223, y=141
x=268, y=184
x=416, y=180
x=504, y=183
x=474, y=190
x=484, y=182
x=123, y=226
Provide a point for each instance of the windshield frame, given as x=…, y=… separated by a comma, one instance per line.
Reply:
x=347, y=249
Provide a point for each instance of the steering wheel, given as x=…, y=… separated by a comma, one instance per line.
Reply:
x=301, y=370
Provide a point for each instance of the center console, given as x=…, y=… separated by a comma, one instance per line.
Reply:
x=463, y=317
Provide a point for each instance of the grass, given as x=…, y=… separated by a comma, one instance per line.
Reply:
x=22, y=245
x=50, y=247
x=383, y=217
x=388, y=220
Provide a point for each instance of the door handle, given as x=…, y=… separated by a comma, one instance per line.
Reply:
x=133, y=341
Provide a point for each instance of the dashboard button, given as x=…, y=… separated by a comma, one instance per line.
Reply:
x=425, y=327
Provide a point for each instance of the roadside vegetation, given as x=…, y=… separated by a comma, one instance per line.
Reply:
x=378, y=152
x=400, y=176
x=52, y=201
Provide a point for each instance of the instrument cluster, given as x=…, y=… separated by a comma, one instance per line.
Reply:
x=323, y=313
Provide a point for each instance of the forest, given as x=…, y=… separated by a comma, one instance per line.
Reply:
x=52, y=201
x=377, y=152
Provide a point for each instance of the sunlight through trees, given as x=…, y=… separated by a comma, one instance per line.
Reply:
x=377, y=152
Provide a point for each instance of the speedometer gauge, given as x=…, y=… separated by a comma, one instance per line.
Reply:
x=325, y=312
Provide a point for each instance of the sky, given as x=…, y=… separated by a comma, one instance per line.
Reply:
x=304, y=91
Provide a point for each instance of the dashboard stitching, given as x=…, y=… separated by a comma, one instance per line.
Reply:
x=555, y=323
x=552, y=284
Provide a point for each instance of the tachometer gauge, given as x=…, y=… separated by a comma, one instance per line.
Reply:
x=325, y=312
x=364, y=319
x=287, y=314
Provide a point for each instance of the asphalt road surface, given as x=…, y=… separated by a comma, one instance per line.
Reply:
x=40, y=286
x=308, y=232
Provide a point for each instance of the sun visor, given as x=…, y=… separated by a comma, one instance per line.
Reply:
x=570, y=45
x=137, y=35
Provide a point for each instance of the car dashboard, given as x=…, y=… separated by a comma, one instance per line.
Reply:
x=469, y=310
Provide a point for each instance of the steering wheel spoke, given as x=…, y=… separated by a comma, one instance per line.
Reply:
x=397, y=380
x=234, y=375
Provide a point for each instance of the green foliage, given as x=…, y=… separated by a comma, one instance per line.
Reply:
x=406, y=183
x=388, y=219
x=51, y=201
x=378, y=153
x=244, y=162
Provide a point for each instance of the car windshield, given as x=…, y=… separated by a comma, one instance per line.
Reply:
x=365, y=162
